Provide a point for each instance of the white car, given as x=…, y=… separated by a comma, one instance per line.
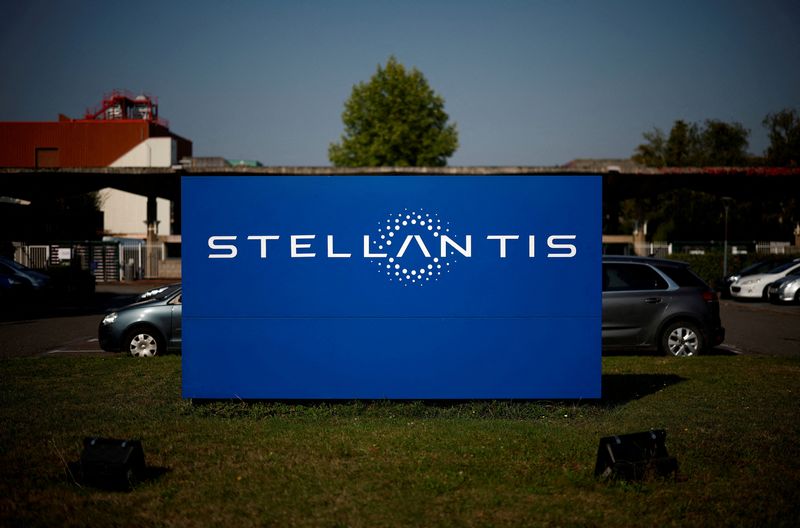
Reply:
x=757, y=286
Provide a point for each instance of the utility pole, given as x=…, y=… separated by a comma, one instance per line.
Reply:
x=726, y=202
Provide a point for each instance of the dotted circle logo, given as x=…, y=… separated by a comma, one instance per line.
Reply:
x=412, y=243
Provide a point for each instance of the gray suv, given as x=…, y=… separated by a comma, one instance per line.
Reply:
x=658, y=304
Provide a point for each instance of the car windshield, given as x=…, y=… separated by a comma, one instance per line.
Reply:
x=782, y=267
x=14, y=264
x=759, y=267
x=159, y=293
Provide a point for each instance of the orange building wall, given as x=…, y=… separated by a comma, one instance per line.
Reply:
x=77, y=143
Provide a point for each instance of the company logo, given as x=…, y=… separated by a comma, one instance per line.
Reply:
x=416, y=233
x=413, y=247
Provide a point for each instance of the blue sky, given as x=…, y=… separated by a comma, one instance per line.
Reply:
x=528, y=83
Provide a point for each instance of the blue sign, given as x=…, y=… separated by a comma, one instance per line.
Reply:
x=398, y=287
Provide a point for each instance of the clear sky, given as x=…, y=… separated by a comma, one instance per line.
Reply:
x=527, y=82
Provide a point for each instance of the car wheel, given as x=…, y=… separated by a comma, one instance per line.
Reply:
x=682, y=339
x=144, y=342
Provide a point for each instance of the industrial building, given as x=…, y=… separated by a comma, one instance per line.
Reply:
x=124, y=131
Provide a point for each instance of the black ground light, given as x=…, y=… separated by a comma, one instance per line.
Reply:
x=635, y=456
x=111, y=464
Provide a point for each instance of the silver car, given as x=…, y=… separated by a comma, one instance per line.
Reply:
x=145, y=328
x=786, y=289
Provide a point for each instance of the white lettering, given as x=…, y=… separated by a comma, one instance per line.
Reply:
x=560, y=246
x=232, y=251
x=502, y=239
x=367, y=253
x=420, y=243
x=296, y=246
x=447, y=241
x=552, y=244
x=332, y=254
x=263, y=239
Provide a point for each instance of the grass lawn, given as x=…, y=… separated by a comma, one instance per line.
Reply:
x=732, y=422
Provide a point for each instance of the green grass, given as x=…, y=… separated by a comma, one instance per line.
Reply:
x=732, y=422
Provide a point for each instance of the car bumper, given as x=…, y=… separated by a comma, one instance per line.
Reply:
x=108, y=339
x=717, y=336
x=746, y=292
x=778, y=295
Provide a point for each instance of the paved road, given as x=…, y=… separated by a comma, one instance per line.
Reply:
x=752, y=328
x=761, y=328
x=64, y=329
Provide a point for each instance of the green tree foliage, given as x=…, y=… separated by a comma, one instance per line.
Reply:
x=715, y=144
x=395, y=119
x=652, y=153
x=784, y=138
x=684, y=146
x=724, y=144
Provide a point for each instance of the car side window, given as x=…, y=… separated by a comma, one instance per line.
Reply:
x=631, y=277
x=177, y=300
x=682, y=277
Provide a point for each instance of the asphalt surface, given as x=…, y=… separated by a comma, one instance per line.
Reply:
x=761, y=328
x=751, y=328
x=63, y=328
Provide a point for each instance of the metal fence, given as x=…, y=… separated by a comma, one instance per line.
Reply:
x=99, y=257
x=108, y=261
x=777, y=248
x=654, y=249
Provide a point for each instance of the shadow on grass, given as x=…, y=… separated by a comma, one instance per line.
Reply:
x=108, y=482
x=635, y=352
x=617, y=390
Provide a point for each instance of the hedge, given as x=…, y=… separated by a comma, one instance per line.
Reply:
x=709, y=266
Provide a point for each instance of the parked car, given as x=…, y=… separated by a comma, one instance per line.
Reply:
x=786, y=289
x=31, y=278
x=762, y=266
x=160, y=291
x=658, y=304
x=145, y=328
x=756, y=286
x=11, y=289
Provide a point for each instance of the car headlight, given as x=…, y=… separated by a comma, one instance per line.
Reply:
x=735, y=278
x=110, y=318
x=747, y=282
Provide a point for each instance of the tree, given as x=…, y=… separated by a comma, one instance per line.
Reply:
x=395, y=119
x=652, y=153
x=784, y=138
x=684, y=145
x=715, y=144
x=724, y=144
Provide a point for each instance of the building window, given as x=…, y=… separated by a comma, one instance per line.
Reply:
x=46, y=157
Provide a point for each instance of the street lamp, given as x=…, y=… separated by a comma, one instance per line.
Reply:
x=726, y=202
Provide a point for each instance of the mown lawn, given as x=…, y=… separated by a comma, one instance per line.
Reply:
x=732, y=422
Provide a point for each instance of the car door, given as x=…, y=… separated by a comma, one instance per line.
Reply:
x=176, y=338
x=634, y=295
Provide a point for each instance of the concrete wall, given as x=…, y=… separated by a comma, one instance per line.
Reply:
x=153, y=152
x=124, y=213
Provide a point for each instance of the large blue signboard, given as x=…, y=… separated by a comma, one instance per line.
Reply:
x=400, y=287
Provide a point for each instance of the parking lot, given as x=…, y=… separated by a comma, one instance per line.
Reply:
x=761, y=328
x=66, y=329
x=751, y=327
